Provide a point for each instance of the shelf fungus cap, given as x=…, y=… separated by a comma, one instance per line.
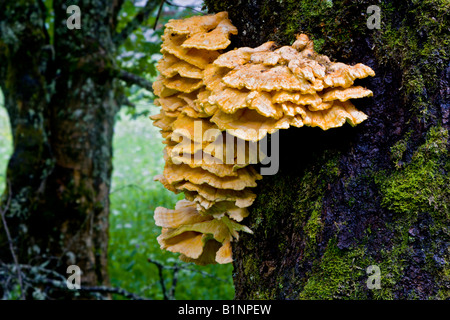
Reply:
x=344, y=94
x=343, y=75
x=169, y=66
x=335, y=116
x=297, y=98
x=191, y=240
x=171, y=103
x=248, y=124
x=240, y=56
x=242, y=199
x=246, y=177
x=197, y=130
x=196, y=24
x=264, y=78
x=163, y=121
x=302, y=40
x=182, y=84
x=214, y=40
x=160, y=90
x=219, y=169
x=224, y=254
x=198, y=57
x=185, y=212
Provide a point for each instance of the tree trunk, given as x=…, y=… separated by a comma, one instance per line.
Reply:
x=60, y=97
x=374, y=195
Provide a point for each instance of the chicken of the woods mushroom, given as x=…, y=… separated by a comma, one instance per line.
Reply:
x=209, y=98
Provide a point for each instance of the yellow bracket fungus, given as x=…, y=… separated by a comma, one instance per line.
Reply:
x=207, y=96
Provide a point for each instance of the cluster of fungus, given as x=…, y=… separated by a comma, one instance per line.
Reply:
x=209, y=98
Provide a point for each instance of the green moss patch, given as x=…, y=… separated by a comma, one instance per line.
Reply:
x=423, y=184
x=337, y=275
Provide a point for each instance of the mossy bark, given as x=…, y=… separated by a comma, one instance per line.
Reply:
x=60, y=96
x=377, y=194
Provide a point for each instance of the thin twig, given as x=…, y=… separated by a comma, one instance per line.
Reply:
x=124, y=101
x=131, y=185
x=174, y=282
x=61, y=283
x=160, y=267
x=131, y=79
x=117, y=6
x=203, y=273
x=140, y=18
x=119, y=291
x=159, y=13
x=10, y=241
x=176, y=268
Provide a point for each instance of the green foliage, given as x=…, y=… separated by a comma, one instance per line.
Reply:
x=50, y=19
x=138, y=156
x=5, y=143
x=138, y=151
x=140, y=51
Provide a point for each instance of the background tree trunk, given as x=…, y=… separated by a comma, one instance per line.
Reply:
x=377, y=194
x=61, y=100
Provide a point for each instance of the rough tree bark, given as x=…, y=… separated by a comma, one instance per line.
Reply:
x=61, y=99
x=377, y=194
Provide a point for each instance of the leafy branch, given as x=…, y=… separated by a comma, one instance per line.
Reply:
x=131, y=78
x=138, y=20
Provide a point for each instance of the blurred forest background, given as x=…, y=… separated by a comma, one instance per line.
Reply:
x=135, y=262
